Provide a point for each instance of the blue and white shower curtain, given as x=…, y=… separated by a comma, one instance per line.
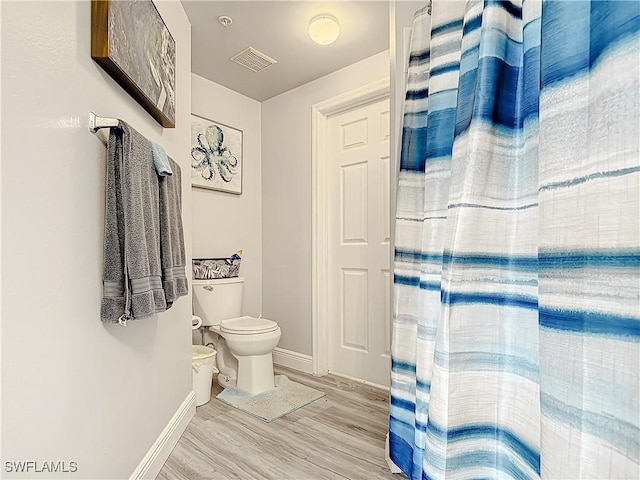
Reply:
x=516, y=333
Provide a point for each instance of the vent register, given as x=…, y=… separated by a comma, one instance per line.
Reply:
x=253, y=59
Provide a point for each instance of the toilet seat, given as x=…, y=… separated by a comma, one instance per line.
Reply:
x=248, y=326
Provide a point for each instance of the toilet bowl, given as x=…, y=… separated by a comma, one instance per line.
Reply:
x=251, y=341
x=244, y=344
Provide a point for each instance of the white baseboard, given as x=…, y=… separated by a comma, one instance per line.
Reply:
x=153, y=461
x=294, y=360
x=359, y=380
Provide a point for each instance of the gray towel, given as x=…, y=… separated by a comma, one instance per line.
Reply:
x=132, y=252
x=174, y=280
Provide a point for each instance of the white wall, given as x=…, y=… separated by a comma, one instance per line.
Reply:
x=223, y=222
x=74, y=389
x=286, y=197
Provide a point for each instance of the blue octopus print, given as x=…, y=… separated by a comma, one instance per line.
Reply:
x=210, y=157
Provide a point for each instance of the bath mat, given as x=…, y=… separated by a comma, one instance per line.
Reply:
x=285, y=398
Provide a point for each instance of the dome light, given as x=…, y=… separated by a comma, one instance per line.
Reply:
x=324, y=29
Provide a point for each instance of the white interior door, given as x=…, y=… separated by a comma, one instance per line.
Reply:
x=358, y=243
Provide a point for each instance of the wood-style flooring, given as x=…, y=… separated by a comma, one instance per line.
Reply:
x=339, y=436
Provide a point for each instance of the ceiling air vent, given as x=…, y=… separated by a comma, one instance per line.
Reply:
x=253, y=59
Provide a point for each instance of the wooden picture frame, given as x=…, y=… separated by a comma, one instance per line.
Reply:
x=216, y=156
x=131, y=42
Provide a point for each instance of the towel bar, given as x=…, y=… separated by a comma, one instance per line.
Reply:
x=96, y=122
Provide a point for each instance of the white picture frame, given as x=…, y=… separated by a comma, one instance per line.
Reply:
x=216, y=156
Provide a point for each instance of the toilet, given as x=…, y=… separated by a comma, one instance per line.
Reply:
x=244, y=344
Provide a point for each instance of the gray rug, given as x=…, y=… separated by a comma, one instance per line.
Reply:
x=285, y=398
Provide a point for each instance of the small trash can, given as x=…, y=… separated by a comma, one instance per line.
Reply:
x=203, y=366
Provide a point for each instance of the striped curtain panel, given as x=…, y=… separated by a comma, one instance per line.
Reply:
x=516, y=335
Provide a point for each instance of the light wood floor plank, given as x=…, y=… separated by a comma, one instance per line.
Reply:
x=340, y=436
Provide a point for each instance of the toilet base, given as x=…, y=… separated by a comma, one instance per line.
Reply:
x=255, y=373
x=226, y=381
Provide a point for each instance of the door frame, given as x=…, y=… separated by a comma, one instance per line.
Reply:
x=320, y=114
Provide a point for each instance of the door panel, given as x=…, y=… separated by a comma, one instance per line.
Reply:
x=354, y=318
x=355, y=203
x=359, y=243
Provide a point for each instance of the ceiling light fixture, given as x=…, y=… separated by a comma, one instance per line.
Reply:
x=324, y=29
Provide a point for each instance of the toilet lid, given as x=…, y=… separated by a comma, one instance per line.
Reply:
x=248, y=325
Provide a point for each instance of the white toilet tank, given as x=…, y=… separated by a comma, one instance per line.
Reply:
x=217, y=300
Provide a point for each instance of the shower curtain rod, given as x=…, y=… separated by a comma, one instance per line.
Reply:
x=96, y=122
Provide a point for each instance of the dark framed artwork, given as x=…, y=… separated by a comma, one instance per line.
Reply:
x=216, y=156
x=130, y=41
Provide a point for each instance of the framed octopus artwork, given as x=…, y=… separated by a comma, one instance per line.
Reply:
x=216, y=156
